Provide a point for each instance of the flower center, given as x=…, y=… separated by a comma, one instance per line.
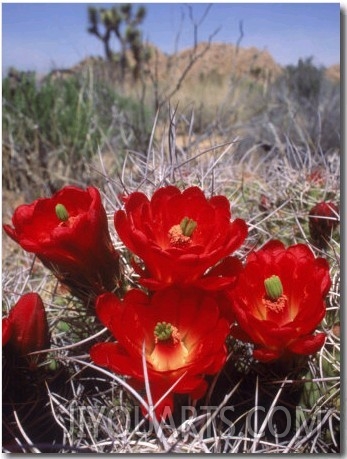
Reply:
x=169, y=352
x=61, y=212
x=180, y=235
x=274, y=298
x=164, y=332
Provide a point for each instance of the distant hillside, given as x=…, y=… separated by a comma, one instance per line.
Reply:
x=333, y=73
x=215, y=61
x=218, y=60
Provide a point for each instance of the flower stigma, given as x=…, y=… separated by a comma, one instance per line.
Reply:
x=165, y=332
x=273, y=287
x=61, y=212
x=188, y=226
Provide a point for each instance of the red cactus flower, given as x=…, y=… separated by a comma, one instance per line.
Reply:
x=25, y=329
x=323, y=219
x=279, y=301
x=183, y=336
x=69, y=234
x=178, y=235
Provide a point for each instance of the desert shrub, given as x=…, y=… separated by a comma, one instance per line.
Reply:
x=329, y=115
x=303, y=101
x=52, y=129
x=304, y=80
x=61, y=111
x=302, y=108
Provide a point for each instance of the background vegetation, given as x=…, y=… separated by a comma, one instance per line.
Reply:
x=54, y=129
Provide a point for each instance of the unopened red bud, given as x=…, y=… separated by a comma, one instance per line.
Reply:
x=323, y=219
x=29, y=327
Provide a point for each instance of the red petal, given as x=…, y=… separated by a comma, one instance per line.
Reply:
x=265, y=355
x=151, y=284
x=206, y=320
x=307, y=345
x=11, y=232
x=274, y=246
x=323, y=275
x=229, y=267
x=135, y=200
x=108, y=308
x=117, y=359
x=6, y=330
x=222, y=205
x=301, y=252
x=214, y=284
x=126, y=323
x=165, y=408
x=200, y=390
x=164, y=193
x=123, y=229
x=311, y=312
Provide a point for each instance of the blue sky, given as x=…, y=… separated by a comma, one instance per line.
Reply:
x=44, y=36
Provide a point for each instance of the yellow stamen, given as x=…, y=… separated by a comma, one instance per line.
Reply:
x=275, y=305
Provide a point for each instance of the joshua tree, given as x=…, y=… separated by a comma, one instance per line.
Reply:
x=124, y=23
